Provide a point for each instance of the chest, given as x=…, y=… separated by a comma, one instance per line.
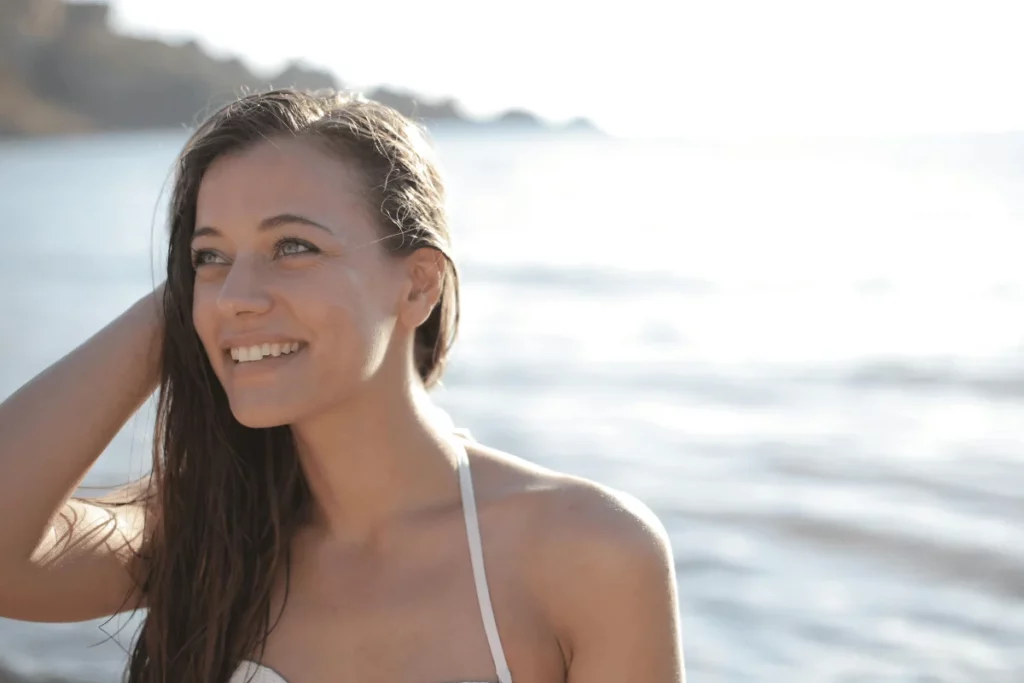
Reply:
x=408, y=615
x=381, y=628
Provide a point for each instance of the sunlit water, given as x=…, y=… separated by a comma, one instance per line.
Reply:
x=808, y=361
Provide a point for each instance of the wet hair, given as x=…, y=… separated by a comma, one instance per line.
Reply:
x=225, y=500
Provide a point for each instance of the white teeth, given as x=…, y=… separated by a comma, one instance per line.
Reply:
x=248, y=354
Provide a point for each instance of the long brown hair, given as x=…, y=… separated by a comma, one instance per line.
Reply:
x=227, y=499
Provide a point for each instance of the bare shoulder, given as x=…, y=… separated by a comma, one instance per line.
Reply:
x=597, y=564
x=575, y=535
x=570, y=512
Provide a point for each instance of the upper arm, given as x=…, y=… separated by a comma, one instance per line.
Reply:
x=614, y=595
x=85, y=567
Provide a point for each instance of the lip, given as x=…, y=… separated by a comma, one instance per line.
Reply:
x=257, y=340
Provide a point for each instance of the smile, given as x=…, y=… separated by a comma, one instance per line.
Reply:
x=257, y=352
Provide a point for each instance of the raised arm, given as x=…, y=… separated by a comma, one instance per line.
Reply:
x=63, y=559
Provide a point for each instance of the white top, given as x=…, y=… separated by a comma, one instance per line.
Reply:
x=252, y=672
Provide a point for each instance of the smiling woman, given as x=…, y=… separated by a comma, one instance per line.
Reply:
x=311, y=515
x=315, y=280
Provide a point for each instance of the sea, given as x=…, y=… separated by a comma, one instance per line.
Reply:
x=805, y=355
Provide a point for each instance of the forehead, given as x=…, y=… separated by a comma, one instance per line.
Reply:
x=280, y=176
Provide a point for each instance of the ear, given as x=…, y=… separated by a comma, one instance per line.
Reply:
x=425, y=275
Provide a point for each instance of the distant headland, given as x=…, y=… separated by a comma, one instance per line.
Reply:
x=64, y=71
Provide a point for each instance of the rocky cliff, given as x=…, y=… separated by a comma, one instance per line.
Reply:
x=63, y=70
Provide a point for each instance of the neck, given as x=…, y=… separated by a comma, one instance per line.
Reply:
x=379, y=456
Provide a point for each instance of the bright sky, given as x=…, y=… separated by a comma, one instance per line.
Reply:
x=648, y=67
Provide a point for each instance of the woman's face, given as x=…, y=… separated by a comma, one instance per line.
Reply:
x=295, y=302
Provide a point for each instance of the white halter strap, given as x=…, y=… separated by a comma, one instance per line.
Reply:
x=476, y=554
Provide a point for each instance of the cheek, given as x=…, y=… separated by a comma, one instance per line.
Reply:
x=352, y=328
x=343, y=328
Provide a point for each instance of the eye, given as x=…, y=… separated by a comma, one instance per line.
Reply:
x=291, y=246
x=206, y=257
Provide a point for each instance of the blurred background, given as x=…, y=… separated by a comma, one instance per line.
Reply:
x=757, y=263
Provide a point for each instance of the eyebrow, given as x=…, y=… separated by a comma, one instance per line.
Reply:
x=270, y=223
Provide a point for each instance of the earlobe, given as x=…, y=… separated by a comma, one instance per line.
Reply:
x=418, y=306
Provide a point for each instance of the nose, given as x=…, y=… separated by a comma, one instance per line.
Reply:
x=244, y=290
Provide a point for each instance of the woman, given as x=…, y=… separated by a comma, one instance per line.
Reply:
x=310, y=516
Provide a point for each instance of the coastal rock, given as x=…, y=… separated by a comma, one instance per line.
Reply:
x=417, y=108
x=63, y=70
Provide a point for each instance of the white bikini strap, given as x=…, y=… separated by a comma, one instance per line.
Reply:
x=476, y=554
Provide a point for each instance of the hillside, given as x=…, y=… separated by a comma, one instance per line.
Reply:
x=63, y=70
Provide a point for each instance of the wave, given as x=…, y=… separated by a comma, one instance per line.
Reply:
x=9, y=676
x=591, y=280
x=743, y=386
x=628, y=380
x=997, y=383
x=996, y=572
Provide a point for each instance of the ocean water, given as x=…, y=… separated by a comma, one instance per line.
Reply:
x=807, y=358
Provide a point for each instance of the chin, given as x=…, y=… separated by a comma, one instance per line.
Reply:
x=262, y=416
